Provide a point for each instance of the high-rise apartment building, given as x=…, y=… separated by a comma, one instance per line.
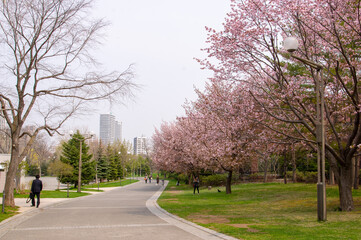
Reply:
x=118, y=131
x=110, y=130
x=140, y=145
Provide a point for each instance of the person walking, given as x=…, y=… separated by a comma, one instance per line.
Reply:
x=36, y=188
x=150, y=178
x=195, y=185
x=145, y=178
x=157, y=179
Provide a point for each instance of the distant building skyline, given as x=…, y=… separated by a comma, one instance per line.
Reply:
x=110, y=130
x=140, y=145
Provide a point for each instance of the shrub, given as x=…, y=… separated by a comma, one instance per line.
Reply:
x=256, y=176
x=213, y=180
x=311, y=177
x=307, y=177
x=183, y=178
x=301, y=176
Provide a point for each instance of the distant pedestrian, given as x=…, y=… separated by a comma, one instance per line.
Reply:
x=157, y=179
x=150, y=178
x=195, y=185
x=36, y=188
x=145, y=179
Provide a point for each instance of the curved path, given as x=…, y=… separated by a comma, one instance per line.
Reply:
x=129, y=212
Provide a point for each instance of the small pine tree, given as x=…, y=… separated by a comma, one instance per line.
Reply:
x=119, y=167
x=102, y=164
x=112, y=161
x=70, y=155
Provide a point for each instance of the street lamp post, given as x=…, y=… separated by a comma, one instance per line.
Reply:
x=120, y=177
x=291, y=45
x=80, y=155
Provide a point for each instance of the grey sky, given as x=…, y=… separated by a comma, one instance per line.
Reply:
x=162, y=38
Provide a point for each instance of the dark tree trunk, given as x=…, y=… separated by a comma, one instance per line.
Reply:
x=265, y=170
x=345, y=187
x=343, y=177
x=332, y=177
x=357, y=173
x=294, y=178
x=285, y=167
x=190, y=179
x=229, y=182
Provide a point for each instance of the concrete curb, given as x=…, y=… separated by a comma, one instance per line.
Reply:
x=199, y=231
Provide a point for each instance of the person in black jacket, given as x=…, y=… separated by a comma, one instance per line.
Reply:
x=36, y=188
x=195, y=185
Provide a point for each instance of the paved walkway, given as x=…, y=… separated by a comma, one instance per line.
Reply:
x=129, y=212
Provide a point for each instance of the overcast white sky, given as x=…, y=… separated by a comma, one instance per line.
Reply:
x=162, y=38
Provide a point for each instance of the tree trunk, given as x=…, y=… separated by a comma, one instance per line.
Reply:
x=294, y=180
x=345, y=187
x=17, y=179
x=343, y=176
x=332, y=177
x=357, y=173
x=265, y=170
x=11, y=174
x=190, y=179
x=229, y=182
x=285, y=168
x=353, y=169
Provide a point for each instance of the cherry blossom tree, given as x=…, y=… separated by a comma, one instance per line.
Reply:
x=214, y=135
x=248, y=52
x=174, y=148
x=228, y=137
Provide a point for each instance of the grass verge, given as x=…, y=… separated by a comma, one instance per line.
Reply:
x=123, y=182
x=8, y=212
x=265, y=211
x=94, y=186
x=51, y=194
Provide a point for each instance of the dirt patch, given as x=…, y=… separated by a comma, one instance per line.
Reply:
x=206, y=219
x=175, y=192
x=240, y=225
x=174, y=200
x=293, y=203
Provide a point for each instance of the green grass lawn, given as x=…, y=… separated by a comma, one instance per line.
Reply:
x=94, y=186
x=51, y=194
x=265, y=211
x=111, y=184
x=8, y=212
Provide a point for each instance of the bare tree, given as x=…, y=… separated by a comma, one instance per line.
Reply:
x=4, y=141
x=44, y=68
x=40, y=152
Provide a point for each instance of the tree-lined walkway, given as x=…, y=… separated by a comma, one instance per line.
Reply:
x=118, y=214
